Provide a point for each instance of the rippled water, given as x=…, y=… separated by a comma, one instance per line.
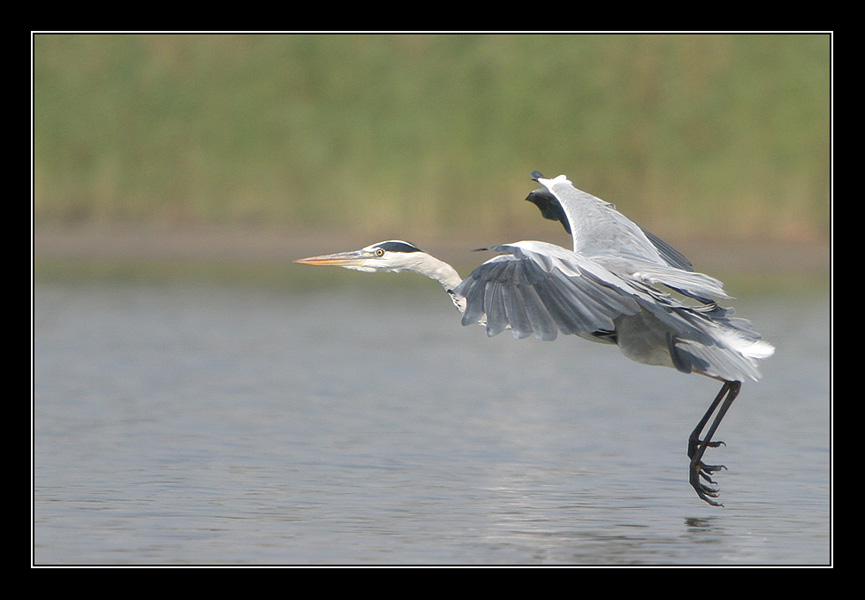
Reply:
x=213, y=425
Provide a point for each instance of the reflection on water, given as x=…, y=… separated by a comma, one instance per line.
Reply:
x=209, y=425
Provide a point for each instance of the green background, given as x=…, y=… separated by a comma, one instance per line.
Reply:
x=727, y=134
x=186, y=154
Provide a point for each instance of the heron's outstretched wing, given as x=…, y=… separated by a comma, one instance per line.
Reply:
x=535, y=288
x=551, y=209
x=598, y=229
x=541, y=289
x=608, y=238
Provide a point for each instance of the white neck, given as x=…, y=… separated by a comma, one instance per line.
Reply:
x=440, y=271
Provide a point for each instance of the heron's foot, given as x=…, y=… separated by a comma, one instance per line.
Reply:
x=700, y=471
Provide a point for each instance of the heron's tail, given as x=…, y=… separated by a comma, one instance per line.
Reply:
x=729, y=348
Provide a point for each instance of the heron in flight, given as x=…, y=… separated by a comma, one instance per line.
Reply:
x=619, y=285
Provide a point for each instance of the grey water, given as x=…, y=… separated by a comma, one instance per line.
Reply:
x=192, y=424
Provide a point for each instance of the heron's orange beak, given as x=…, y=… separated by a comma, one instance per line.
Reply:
x=339, y=259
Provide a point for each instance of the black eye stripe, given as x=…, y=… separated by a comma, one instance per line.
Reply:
x=397, y=246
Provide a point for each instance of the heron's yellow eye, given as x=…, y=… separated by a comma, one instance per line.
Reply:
x=379, y=252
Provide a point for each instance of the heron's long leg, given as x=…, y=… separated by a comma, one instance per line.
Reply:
x=694, y=438
x=697, y=447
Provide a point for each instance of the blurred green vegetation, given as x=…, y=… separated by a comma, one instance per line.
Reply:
x=720, y=135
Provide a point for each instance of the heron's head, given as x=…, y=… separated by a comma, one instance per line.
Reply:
x=391, y=256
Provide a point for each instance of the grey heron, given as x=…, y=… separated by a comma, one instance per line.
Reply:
x=619, y=285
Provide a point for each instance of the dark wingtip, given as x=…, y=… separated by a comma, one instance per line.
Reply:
x=537, y=175
x=549, y=206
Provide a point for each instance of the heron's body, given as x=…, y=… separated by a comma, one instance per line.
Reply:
x=618, y=285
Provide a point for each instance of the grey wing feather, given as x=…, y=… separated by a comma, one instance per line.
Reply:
x=540, y=289
x=607, y=237
x=551, y=209
x=537, y=293
x=671, y=256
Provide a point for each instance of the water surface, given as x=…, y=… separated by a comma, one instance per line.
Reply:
x=211, y=425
